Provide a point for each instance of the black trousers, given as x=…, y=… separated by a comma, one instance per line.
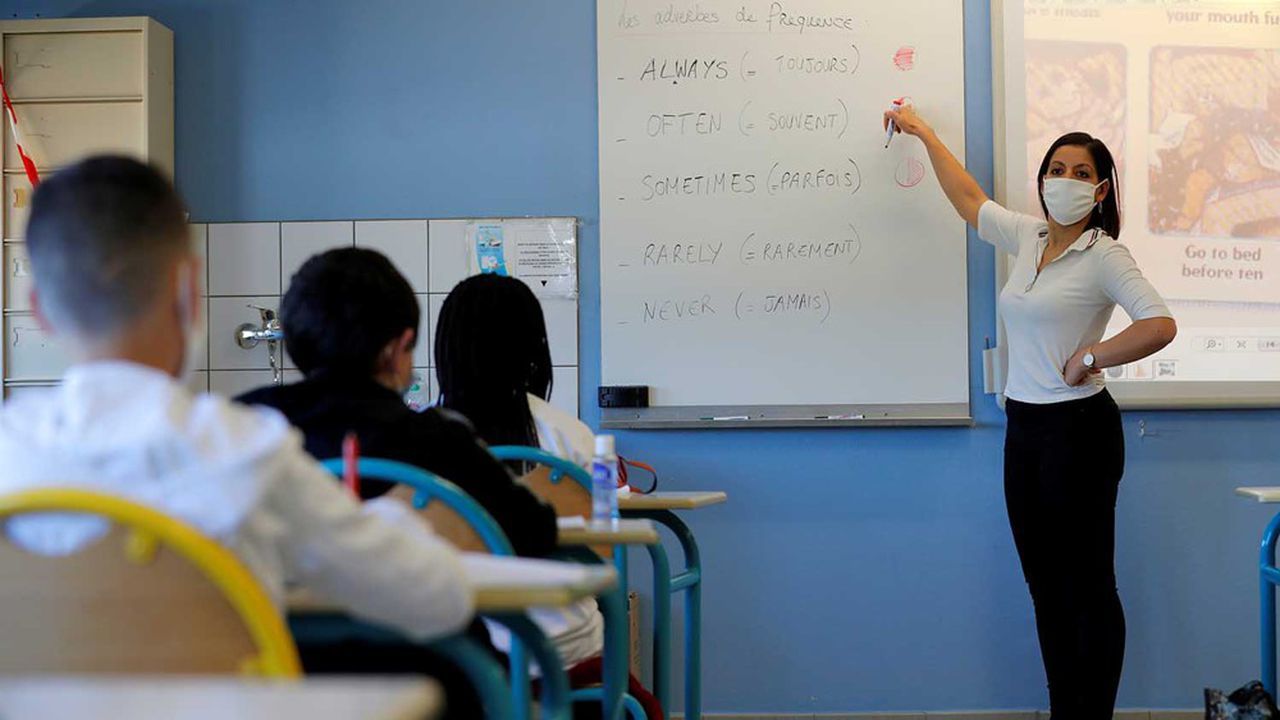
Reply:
x=1062, y=469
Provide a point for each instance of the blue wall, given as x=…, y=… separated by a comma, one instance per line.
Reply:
x=853, y=570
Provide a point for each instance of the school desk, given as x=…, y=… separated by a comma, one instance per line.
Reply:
x=578, y=536
x=660, y=508
x=626, y=532
x=217, y=698
x=1269, y=577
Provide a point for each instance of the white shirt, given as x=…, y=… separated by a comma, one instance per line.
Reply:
x=577, y=631
x=1048, y=317
x=239, y=475
x=562, y=434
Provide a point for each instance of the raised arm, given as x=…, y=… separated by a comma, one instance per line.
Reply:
x=958, y=185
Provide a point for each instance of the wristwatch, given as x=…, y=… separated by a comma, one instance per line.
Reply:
x=1089, y=360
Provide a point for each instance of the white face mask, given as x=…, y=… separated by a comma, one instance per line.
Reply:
x=195, y=327
x=1069, y=201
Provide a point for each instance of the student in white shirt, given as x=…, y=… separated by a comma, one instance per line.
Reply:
x=493, y=364
x=119, y=284
x=1064, y=444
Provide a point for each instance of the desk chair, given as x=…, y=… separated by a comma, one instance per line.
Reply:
x=546, y=482
x=423, y=487
x=152, y=595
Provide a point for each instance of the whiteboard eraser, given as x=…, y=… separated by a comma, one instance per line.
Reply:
x=624, y=396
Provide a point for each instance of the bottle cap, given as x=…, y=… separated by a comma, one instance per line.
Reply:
x=604, y=445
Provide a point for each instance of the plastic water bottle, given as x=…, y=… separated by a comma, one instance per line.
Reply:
x=604, y=482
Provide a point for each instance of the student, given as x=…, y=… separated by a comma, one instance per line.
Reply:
x=350, y=325
x=118, y=283
x=493, y=362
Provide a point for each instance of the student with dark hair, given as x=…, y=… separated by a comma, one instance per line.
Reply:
x=493, y=362
x=1064, y=445
x=119, y=283
x=350, y=324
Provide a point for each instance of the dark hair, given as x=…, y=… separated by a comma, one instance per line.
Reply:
x=342, y=308
x=1105, y=215
x=491, y=349
x=102, y=236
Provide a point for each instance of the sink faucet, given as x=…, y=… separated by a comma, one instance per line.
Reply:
x=249, y=335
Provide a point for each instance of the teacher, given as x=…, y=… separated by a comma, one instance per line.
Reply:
x=1064, y=444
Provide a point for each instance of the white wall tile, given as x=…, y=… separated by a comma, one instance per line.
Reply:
x=448, y=263
x=225, y=316
x=561, y=315
x=244, y=259
x=17, y=277
x=422, y=351
x=234, y=382
x=564, y=389
x=433, y=305
x=404, y=242
x=292, y=376
x=200, y=239
x=202, y=361
x=300, y=240
x=199, y=234
x=30, y=354
x=251, y=263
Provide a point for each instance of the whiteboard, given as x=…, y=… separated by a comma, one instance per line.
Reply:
x=764, y=259
x=1187, y=96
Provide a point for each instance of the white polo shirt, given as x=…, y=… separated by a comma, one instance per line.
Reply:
x=1049, y=316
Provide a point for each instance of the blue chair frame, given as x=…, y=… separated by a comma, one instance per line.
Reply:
x=665, y=585
x=477, y=664
x=1269, y=578
x=617, y=645
x=427, y=486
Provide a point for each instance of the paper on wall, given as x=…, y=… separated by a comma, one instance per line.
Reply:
x=540, y=251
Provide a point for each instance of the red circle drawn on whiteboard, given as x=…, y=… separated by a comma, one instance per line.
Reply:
x=905, y=58
x=909, y=173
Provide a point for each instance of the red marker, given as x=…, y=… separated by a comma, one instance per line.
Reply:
x=350, y=460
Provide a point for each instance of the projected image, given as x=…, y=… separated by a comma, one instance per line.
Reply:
x=1215, y=142
x=1074, y=87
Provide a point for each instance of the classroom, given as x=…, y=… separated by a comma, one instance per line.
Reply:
x=772, y=303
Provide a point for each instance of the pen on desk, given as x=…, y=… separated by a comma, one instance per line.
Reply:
x=727, y=417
